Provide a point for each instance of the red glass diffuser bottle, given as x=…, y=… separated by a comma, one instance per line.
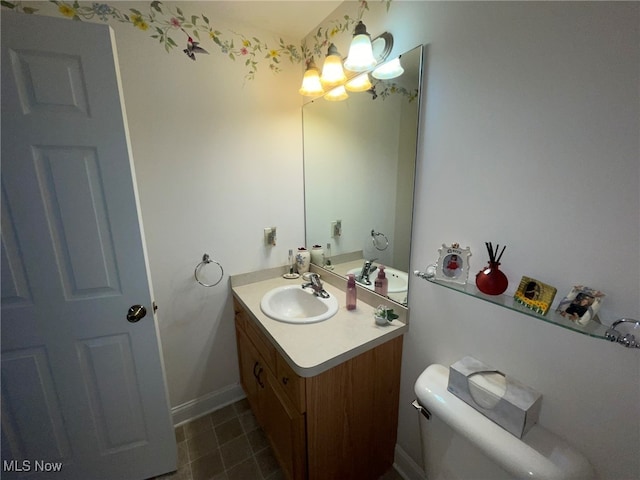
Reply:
x=491, y=280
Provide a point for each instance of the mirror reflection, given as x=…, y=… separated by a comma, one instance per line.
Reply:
x=359, y=170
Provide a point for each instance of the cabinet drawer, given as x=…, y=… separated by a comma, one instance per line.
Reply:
x=292, y=384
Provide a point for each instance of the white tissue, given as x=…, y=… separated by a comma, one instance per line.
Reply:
x=487, y=388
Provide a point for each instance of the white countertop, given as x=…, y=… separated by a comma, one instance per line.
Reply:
x=313, y=348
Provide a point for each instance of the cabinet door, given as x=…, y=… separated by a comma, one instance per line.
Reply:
x=352, y=415
x=286, y=430
x=252, y=374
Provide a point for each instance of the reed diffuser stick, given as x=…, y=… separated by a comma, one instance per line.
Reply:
x=494, y=257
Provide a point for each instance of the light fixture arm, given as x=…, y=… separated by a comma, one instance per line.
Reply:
x=382, y=55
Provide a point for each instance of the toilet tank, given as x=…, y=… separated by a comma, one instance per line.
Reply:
x=459, y=443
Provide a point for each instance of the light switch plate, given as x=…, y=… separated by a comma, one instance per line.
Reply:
x=336, y=228
x=270, y=236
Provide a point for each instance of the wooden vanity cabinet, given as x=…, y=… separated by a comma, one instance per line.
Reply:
x=339, y=424
x=281, y=420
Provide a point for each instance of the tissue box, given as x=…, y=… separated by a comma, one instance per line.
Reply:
x=510, y=404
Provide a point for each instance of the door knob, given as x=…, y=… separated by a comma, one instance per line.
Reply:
x=135, y=313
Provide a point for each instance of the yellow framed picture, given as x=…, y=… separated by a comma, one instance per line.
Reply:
x=535, y=295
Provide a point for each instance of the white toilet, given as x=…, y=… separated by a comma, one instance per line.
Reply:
x=460, y=443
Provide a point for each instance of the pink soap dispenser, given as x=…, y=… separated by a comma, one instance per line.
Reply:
x=381, y=283
x=352, y=293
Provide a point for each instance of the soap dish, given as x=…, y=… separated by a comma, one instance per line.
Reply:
x=291, y=276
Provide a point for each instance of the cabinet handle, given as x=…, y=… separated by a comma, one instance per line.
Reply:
x=257, y=371
x=285, y=380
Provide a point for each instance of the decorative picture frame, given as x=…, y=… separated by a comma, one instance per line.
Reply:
x=581, y=304
x=535, y=295
x=453, y=264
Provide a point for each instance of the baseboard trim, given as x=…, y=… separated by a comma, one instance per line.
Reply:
x=206, y=404
x=406, y=467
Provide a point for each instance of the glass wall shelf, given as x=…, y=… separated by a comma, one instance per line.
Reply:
x=592, y=329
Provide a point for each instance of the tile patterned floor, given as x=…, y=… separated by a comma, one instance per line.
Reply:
x=228, y=444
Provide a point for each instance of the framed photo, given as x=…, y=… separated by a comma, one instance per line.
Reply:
x=453, y=264
x=535, y=295
x=581, y=304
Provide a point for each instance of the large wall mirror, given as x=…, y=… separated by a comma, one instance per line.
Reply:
x=359, y=170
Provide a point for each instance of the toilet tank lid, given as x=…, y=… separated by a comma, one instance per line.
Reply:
x=540, y=454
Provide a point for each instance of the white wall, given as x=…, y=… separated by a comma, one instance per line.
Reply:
x=217, y=160
x=529, y=139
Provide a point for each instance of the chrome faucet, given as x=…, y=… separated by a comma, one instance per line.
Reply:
x=316, y=284
x=367, y=269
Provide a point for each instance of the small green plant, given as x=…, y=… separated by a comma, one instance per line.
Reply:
x=385, y=312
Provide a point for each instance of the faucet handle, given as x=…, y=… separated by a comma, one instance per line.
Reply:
x=312, y=280
x=316, y=284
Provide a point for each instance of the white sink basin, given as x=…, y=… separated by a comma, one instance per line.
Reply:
x=293, y=304
x=397, y=279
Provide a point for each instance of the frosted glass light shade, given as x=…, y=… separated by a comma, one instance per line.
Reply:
x=337, y=94
x=389, y=70
x=332, y=72
x=360, y=58
x=311, y=85
x=361, y=83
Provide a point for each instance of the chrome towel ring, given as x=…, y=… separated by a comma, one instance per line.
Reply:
x=205, y=261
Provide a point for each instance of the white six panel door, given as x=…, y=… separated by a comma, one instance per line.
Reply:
x=82, y=388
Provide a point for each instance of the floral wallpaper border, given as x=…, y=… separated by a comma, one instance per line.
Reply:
x=171, y=26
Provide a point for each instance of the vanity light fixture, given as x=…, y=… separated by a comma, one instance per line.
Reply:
x=337, y=94
x=388, y=70
x=332, y=72
x=361, y=83
x=360, y=58
x=311, y=84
